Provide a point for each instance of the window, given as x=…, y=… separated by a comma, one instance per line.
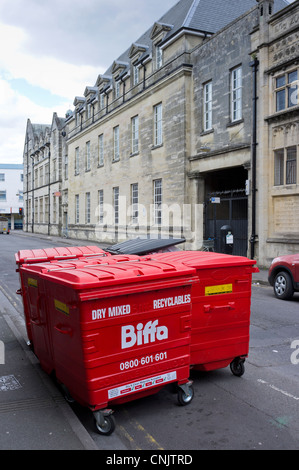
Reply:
x=158, y=202
x=41, y=210
x=236, y=94
x=135, y=75
x=87, y=208
x=101, y=150
x=77, y=209
x=87, y=156
x=77, y=161
x=47, y=176
x=66, y=168
x=159, y=57
x=2, y=195
x=101, y=205
x=117, y=89
x=291, y=166
x=116, y=204
x=158, y=139
x=286, y=90
x=21, y=196
x=41, y=176
x=208, y=106
x=135, y=134
x=47, y=209
x=278, y=167
x=116, y=143
x=22, y=177
x=285, y=166
x=102, y=101
x=2, y=176
x=88, y=110
x=134, y=202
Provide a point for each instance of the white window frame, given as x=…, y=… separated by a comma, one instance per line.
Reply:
x=77, y=209
x=116, y=144
x=77, y=156
x=158, y=202
x=87, y=156
x=101, y=150
x=158, y=127
x=101, y=205
x=135, y=75
x=236, y=94
x=87, y=208
x=135, y=134
x=159, y=57
x=208, y=106
x=116, y=204
x=134, y=202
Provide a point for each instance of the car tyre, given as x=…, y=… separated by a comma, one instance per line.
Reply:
x=283, y=286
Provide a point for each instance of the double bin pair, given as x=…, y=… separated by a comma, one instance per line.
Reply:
x=117, y=328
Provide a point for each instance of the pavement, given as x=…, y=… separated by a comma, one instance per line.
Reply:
x=33, y=412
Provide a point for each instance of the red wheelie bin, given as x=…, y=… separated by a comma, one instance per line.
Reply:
x=115, y=332
x=221, y=306
x=50, y=255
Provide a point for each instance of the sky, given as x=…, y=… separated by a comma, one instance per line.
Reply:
x=50, y=50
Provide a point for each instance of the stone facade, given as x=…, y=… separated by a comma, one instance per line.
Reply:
x=45, y=145
x=276, y=43
x=165, y=143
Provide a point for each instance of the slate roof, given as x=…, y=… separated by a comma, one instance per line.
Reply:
x=207, y=16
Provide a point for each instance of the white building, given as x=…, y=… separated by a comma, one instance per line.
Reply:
x=11, y=193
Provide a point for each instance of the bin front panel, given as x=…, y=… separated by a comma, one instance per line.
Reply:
x=221, y=304
x=128, y=342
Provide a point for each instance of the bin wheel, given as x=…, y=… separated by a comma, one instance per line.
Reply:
x=185, y=397
x=237, y=367
x=107, y=427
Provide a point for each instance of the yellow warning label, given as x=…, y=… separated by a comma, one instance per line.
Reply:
x=63, y=308
x=32, y=282
x=222, y=289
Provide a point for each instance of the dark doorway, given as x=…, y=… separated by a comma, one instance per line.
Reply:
x=226, y=203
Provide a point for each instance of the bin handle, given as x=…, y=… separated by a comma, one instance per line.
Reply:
x=210, y=308
x=64, y=330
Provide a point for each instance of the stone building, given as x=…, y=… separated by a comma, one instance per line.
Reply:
x=44, y=149
x=186, y=133
x=276, y=45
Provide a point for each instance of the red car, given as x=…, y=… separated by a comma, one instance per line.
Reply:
x=284, y=276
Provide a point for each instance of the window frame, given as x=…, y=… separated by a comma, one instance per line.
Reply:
x=116, y=155
x=158, y=194
x=134, y=203
x=135, y=135
x=285, y=166
x=158, y=125
x=208, y=106
x=236, y=94
x=283, y=91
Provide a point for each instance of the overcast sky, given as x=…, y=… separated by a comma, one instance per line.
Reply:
x=50, y=50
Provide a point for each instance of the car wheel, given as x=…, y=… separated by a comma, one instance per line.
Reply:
x=283, y=286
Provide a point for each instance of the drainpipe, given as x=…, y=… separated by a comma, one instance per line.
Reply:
x=254, y=64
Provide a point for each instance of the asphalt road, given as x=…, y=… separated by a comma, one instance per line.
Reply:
x=257, y=411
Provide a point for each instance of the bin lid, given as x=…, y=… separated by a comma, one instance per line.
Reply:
x=114, y=274
x=204, y=259
x=142, y=246
x=56, y=253
x=78, y=263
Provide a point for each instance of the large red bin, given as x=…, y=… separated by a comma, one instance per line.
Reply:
x=221, y=306
x=112, y=333
x=47, y=255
